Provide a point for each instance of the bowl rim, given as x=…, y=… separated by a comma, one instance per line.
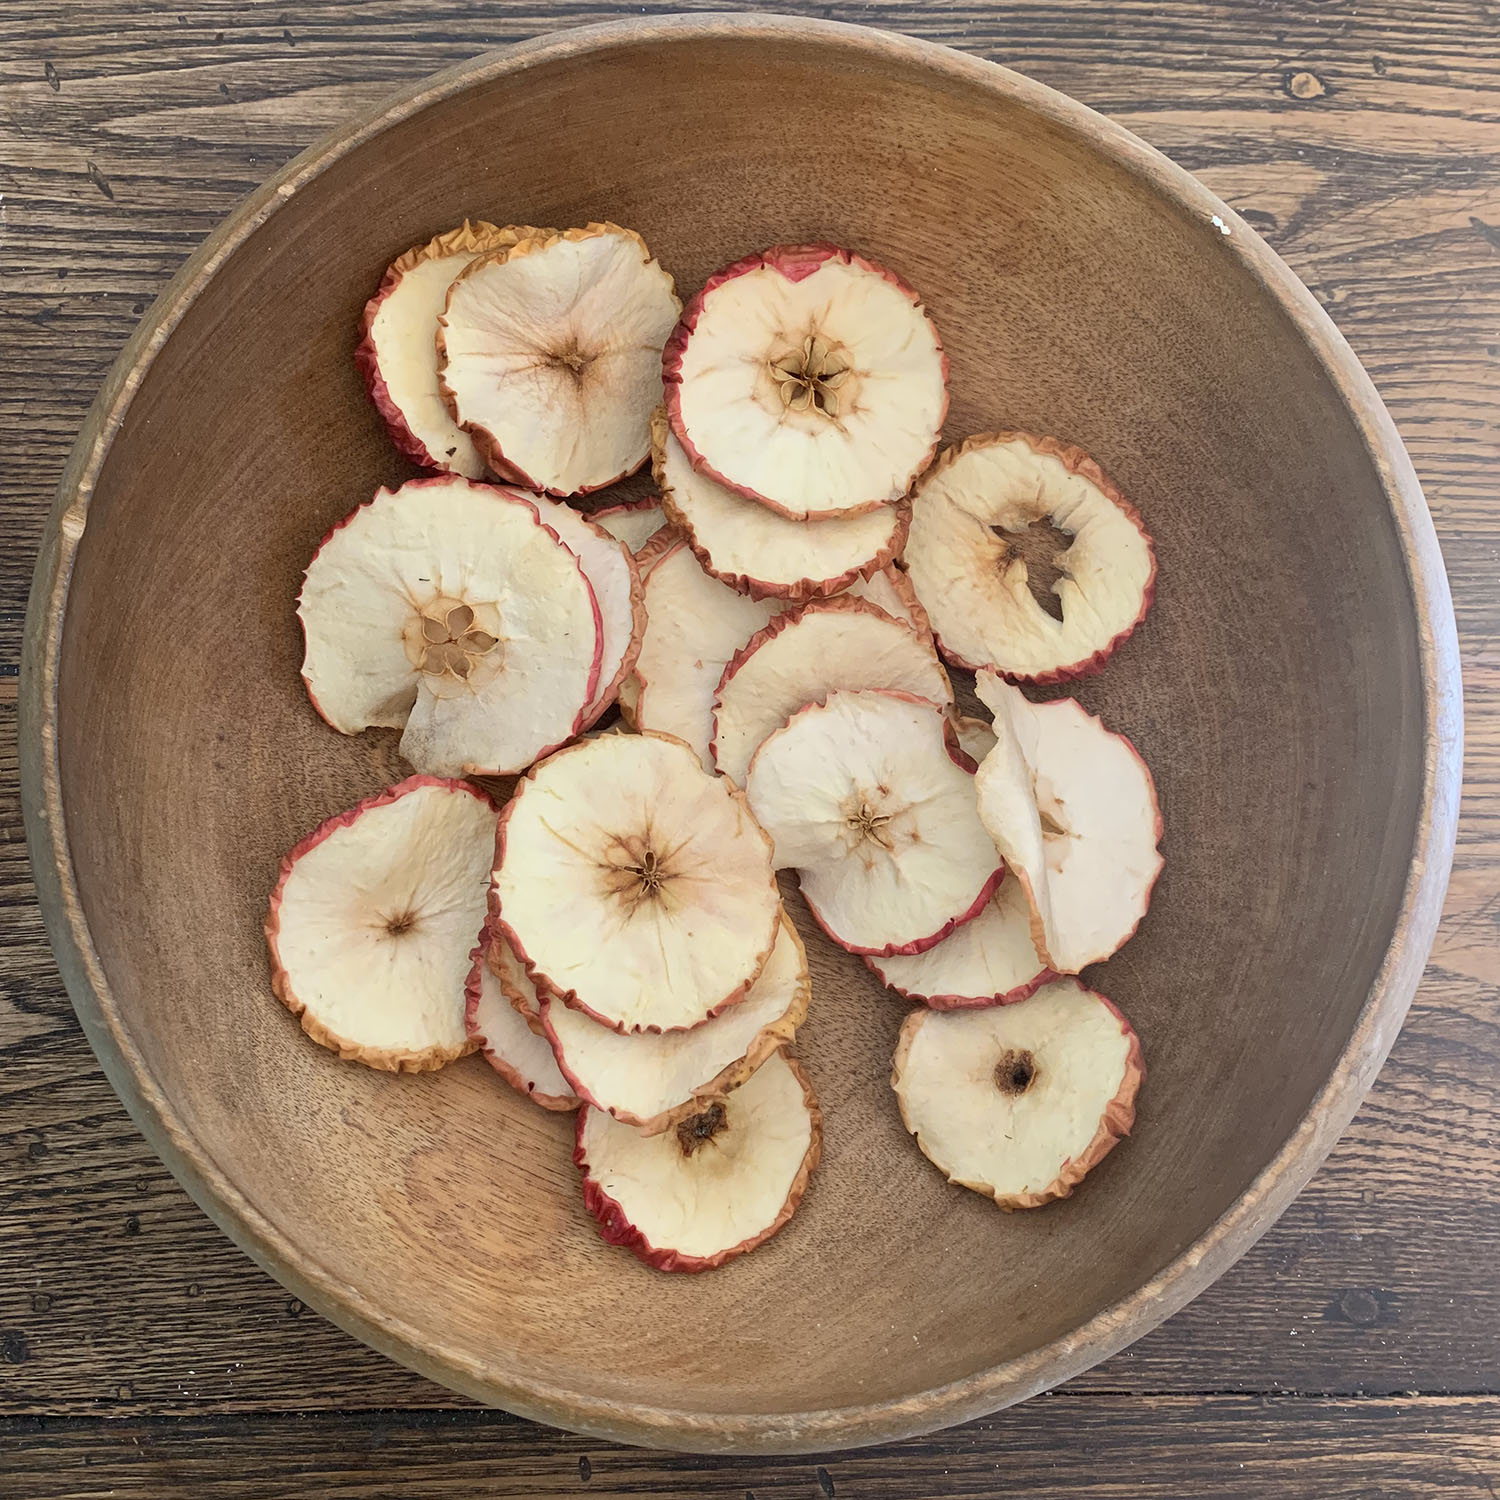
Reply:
x=986, y=1390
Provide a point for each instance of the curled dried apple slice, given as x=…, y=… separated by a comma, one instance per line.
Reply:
x=548, y=356
x=449, y=609
x=1019, y=1102
x=1027, y=558
x=989, y=961
x=619, y=591
x=1072, y=808
x=397, y=353
x=694, y=624
x=800, y=657
x=635, y=885
x=372, y=920
x=718, y=1184
x=515, y=983
x=652, y=1080
x=866, y=800
x=808, y=378
x=633, y=522
x=521, y=1057
x=761, y=553
x=890, y=589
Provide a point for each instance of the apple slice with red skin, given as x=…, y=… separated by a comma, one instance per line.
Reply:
x=717, y=1185
x=989, y=961
x=521, y=1057
x=807, y=378
x=996, y=507
x=759, y=552
x=448, y=609
x=802, y=656
x=1072, y=808
x=635, y=885
x=866, y=798
x=397, y=352
x=1019, y=1102
x=654, y=1080
x=372, y=919
x=548, y=353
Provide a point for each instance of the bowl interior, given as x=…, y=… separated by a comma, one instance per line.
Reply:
x=1274, y=690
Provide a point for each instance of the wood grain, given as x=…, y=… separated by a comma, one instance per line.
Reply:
x=127, y=131
x=1060, y=1446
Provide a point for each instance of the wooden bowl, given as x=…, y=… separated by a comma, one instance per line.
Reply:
x=1295, y=690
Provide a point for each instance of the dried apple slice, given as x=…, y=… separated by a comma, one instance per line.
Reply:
x=1005, y=522
x=694, y=624
x=619, y=591
x=865, y=798
x=723, y=1181
x=633, y=522
x=449, y=608
x=372, y=919
x=635, y=885
x=653, y=1080
x=799, y=658
x=548, y=356
x=1019, y=1102
x=397, y=351
x=989, y=961
x=761, y=553
x=1072, y=808
x=808, y=378
x=523, y=1059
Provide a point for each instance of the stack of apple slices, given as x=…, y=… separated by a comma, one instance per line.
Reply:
x=777, y=628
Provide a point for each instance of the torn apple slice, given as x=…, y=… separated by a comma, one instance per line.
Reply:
x=634, y=522
x=761, y=553
x=372, y=920
x=397, y=352
x=799, y=658
x=694, y=624
x=865, y=799
x=611, y=570
x=1019, y=1102
x=635, y=885
x=652, y=1080
x=523, y=1059
x=808, y=378
x=449, y=608
x=1027, y=558
x=1072, y=808
x=715, y=1186
x=548, y=356
x=989, y=961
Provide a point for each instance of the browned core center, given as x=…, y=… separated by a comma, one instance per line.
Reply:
x=1043, y=547
x=809, y=378
x=452, y=644
x=698, y=1130
x=636, y=870
x=1015, y=1072
x=572, y=359
x=401, y=923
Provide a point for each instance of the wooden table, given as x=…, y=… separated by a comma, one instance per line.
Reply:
x=1354, y=1352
